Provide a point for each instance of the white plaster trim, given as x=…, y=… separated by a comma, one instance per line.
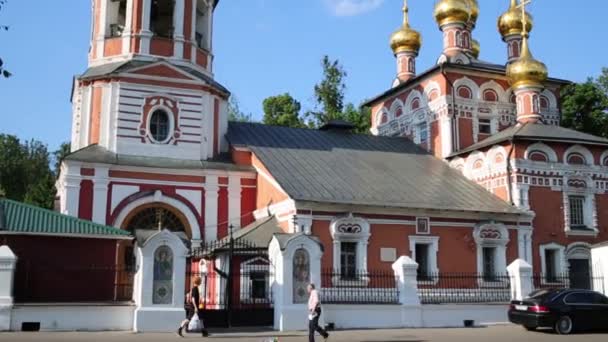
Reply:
x=560, y=260
x=589, y=160
x=433, y=243
x=542, y=148
x=360, y=238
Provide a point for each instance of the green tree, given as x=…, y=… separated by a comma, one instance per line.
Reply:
x=585, y=106
x=64, y=149
x=235, y=113
x=360, y=117
x=25, y=173
x=282, y=110
x=3, y=72
x=329, y=93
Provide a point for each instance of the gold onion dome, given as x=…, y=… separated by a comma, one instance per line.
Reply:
x=527, y=71
x=511, y=23
x=476, y=48
x=452, y=11
x=406, y=39
x=474, y=11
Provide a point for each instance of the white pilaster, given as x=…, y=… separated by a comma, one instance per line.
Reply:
x=8, y=262
x=100, y=194
x=178, y=33
x=102, y=25
x=524, y=244
x=406, y=272
x=70, y=182
x=146, y=34
x=446, y=136
x=128, y=31
x=521, y=279
x=211, y=207
x=234, y=201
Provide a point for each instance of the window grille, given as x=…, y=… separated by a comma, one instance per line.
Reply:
x=348, y=260
x=577, y=211
x=485, y=126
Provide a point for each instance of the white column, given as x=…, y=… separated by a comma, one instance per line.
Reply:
x=146, y=34
x=71, y=185
x=178, y=33
x=406, y=272
x=8, y=262
x=193, y=33
x=520, y=273
x=524, y=244
x=102, y=25
x=128, y=31
x=234, y=201
x=100, y=194
x=446, y=136
x=211, y=207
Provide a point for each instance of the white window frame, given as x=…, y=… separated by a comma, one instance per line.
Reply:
x=419, y=129
x=339, y=230
x=428, y=226
x=490, y=124
x=493, y=235
x=433, y=250
x=171, y=128
x=560, y=261
x=247, y=267
x=589, y=210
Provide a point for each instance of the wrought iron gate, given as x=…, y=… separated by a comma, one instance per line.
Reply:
x=238, y=291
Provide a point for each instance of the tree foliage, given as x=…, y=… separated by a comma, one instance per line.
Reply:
x=25, y=172
x=282, y=110
x=585, y=106
x=235, y=113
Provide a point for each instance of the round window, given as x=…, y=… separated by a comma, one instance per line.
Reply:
x=159, y=125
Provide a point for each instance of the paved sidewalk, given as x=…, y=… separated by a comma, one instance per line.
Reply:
x=493, y=334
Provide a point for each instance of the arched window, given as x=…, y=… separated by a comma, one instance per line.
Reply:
x=515, y=49
x=538, y=156
x=162, y=284
x=605, y=162
x=433, y=95
x=576, y=159
x=383, y=119
x=513, y=99
x=155, y=217
x=499, y=158
x=398, y=112
x=464, y=92
x=161, y=18
x=490, y=95
x=415, y=104
x=301, y=276
x=159, y=126
x=478, y=164
x=544, y=102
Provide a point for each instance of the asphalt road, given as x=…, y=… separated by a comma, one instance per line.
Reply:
x=492, y=334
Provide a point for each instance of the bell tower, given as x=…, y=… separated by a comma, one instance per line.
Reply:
x=149, y=89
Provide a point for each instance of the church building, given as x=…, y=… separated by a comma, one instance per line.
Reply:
x=465, y=170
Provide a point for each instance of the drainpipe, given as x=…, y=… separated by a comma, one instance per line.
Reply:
x=455, y=144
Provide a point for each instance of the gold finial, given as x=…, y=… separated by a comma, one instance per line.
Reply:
x=406, y=18
x=405, y=39
x=524, y=19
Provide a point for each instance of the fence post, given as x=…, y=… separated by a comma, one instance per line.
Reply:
x=406, y=273
x=520, y=273
x=8, y=262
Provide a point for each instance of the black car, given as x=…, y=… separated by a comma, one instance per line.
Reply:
x=563, y=310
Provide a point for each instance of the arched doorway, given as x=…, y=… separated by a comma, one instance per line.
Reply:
x=157, y=216
x=578, y=256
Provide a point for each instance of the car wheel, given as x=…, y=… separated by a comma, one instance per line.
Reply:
x=564, y=325
x=529, y=328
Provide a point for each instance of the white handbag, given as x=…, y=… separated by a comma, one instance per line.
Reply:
x=195, y=324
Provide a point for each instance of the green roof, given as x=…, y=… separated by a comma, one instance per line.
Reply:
x=21, y=218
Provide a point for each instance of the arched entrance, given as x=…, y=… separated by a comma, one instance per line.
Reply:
x=157, y=216
x=578, y=256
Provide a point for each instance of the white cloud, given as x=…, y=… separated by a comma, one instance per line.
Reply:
x=345, y=8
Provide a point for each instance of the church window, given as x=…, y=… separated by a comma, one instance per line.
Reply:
x=423, y=133
x=159, y=126
x=577, y=212
x=415, y=104
x=163, y=276
x=513, y=99
x=490, y=96
x=383, y=119
x=538, y=156
x=605, y=162
x=544, y=102
x=491, y=240
x=348, y=260
x=478, y=164
x=398, y=112
x=464, y=92
x=489, y=263
x=155, y=217
x=350, y=238
x=485, y=126
x=161, y=18
x=422, y=259
x=203, y=20
x=117, y=12
x=576, y=159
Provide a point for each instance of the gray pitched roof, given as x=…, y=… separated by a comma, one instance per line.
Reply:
x=99, y=154
x=341, y=168
x=536, y=132
x=126, y=66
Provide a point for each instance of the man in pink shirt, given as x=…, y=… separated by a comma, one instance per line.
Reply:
x=314, y=313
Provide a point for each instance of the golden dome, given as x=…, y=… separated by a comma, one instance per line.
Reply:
x=527, y=71
x=406, y=39
x=511, y=23
x=452, y=11
x=474, y=11
x=476, y=48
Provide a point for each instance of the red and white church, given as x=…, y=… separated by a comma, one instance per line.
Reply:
x=466, y=170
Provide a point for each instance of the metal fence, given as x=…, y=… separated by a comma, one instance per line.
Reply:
x=360, y=287
x=568, y=281
x=64, y=284
x=451, y=288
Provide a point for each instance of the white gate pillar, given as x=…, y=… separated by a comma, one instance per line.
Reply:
x=406, y=272
x=520, y=273
x=160, y=282
x=8, y=262
x=290, y=303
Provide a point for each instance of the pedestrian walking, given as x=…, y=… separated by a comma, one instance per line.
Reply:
x=193, y=321
x=314, y=313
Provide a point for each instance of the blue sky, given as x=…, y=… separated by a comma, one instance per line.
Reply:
x=268, y=47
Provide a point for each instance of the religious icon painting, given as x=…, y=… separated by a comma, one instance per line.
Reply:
x=301, y=276
x=422, y=225
x=163, y=276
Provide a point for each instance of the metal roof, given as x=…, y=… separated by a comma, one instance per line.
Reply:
x=343, y=168
x=21, y=218
x=536, y=132
x=99, y=154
